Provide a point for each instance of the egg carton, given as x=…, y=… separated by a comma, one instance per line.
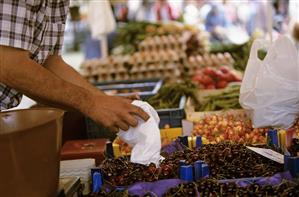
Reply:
x=165, y=42
x=212, y=60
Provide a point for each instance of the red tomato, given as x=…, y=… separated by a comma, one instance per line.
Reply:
x=224, y=69
x=206, y=80
x=209, y=71
x=219, y=74
x=236, y=78
x=229, y=77
x=221, y=84
x=210, y=86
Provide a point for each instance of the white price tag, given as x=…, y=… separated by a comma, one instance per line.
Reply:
x=270, y=154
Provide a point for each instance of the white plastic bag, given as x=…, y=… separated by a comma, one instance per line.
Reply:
x=100, y=18
x=145, y=138
x=270, y=88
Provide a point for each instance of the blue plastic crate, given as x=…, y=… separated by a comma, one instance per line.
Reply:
x=173, y=117
x=148, y=88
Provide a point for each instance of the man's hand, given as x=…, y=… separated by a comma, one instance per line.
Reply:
x=133, y=97
x=116, y=113
x=112, y=112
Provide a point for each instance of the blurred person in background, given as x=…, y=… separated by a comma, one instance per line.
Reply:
x=144, y=11
x=191, y=12
x=216, y=21
x=230, y=11
x=280, y=15
x=257, y=20
x=121, y=11
x=163, y=11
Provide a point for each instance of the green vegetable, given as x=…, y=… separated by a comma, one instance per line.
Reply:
x=240, y=53
x=169, y=95
x=261, y=53
x=129, y=35
x=229, y=99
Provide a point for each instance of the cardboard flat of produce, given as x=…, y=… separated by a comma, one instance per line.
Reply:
x=193, y=116
x=215, y=99
x=201, y=94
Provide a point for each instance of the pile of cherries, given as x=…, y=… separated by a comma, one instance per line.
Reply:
x=121, y=172
x=230, y=161
x=225, y=161
x=210, y=187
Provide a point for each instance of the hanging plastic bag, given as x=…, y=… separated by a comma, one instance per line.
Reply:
x=270, y=88
x=100, y=18
x=145, y=138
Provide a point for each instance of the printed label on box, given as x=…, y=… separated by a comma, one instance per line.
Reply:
x=270, y=154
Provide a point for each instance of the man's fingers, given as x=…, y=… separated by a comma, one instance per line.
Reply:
x=139, y=112
x=133, y=97
x=131, y=120
x=113, y=129
x=122, y=125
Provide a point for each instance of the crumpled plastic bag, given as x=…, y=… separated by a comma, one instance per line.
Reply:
x=270, y=88
x=145, y=138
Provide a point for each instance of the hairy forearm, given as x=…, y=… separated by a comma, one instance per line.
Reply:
x=56, y=65
x=25, y=75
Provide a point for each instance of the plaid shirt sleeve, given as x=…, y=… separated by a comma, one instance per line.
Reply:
x=59, y=11
x=33, y=25
x=16, y=25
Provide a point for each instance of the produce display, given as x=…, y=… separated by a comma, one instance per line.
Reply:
x=147, y=51
x=211, y=187
x=215, y=78
x=210, y=60
x=240, y=53
x=229, y=127
x=105, y=69
x=174, y=52
x=225, y=161
x=140, y=65
x=156, y=43
x=169, y=95
x=163, y=64
x=222, y=100
x=131, y=34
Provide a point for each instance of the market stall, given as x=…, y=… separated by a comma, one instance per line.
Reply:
x=223, y=116
x=221, y=134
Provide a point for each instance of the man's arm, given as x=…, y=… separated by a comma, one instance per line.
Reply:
x=18, y=71
x=59, y=67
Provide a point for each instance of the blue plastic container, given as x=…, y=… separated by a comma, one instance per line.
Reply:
x=198, y=169
x=186, y=173
x=198, y=142
x=272, y=138
x=292, y=164
x=205, y=170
